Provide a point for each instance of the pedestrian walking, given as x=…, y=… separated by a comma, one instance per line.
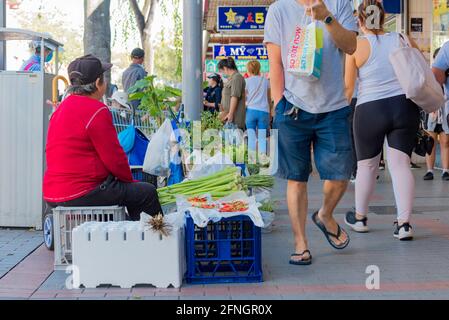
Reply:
x=382, y=111
x=438, y=123
x=312, y=113
x=258, y=111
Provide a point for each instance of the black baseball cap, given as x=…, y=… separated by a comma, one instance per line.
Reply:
x=138, y=53
x=215, y=76
x=87, y=69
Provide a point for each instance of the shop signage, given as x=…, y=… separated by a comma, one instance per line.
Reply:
x=212, y=66
x=392, y=6
x=234, y=18
x=241, y=52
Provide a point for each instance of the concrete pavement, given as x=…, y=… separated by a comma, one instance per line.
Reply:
x=410, y=270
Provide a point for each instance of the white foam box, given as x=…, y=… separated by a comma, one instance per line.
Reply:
x=127, y=254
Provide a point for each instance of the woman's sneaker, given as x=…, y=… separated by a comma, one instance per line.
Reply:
x=445, y=176
x=404, y=232
x=358, y=225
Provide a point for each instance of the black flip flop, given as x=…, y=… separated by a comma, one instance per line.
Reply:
x=307, y=262
x=328, y=234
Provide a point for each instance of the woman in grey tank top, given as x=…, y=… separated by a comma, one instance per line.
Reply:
x=382, y=111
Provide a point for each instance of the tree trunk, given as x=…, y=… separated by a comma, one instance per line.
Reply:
x=97, y=31
x=149, y=53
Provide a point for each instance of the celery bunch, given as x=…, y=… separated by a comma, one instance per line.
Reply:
x=219, y=185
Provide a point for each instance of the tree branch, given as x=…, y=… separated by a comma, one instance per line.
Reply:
x=146, y=7
x=151, y=14
x=140, y=18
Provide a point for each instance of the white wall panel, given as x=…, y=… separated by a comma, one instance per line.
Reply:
x=23, y=118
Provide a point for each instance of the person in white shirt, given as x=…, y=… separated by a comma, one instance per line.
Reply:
x=258, y=113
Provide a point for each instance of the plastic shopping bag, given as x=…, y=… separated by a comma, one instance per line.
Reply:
x=135, y=145
x=210, y=166
x=176, y=168
x=306, y=52
x=157, y=158
x=233, y=135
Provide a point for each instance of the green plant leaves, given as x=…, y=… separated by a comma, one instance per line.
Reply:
x=154, y=99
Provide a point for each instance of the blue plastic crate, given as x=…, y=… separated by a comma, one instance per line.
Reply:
x=141, y=176
x=228, y=251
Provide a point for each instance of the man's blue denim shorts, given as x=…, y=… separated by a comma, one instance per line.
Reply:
x=327, y=135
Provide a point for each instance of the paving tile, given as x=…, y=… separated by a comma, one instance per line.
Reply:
x=196, y=298
x=219, y=297
x=159, y=298
x=124, y=298
x=42, y=296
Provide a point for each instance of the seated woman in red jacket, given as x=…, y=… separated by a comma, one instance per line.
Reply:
x=86, y=166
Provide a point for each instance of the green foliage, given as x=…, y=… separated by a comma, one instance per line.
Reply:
x=268, y=206
x=210, y=120
x=177, y=36
x=164, y=57
x=154, y=99
x=125, y=22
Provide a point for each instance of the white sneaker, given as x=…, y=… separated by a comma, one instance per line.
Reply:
x=404, y=232
x=360, y=226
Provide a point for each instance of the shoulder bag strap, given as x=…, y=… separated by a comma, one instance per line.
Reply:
x=405, y=41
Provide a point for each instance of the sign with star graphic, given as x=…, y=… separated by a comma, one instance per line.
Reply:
x=241, y=52
x=235, y=18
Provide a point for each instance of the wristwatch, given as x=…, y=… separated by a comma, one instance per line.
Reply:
x=329, y=19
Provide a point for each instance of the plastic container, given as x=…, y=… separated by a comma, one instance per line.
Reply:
x=67, y=219
x=228, y=251
x=127, y=254
x=141, y=176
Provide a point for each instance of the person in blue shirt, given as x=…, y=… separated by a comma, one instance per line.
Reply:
x=33, y=64
x=213, y=93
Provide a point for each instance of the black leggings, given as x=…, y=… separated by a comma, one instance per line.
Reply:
x=396, y=118
x=136, y=197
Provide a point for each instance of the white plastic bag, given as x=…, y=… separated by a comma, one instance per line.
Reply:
x=217, y=163
x=262, y=194
x=268, y=218
x=157, y=158
x=233, y=135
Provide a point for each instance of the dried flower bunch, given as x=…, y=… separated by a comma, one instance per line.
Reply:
x=158, y=224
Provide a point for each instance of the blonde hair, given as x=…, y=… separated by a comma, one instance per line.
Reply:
x=254, y=67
